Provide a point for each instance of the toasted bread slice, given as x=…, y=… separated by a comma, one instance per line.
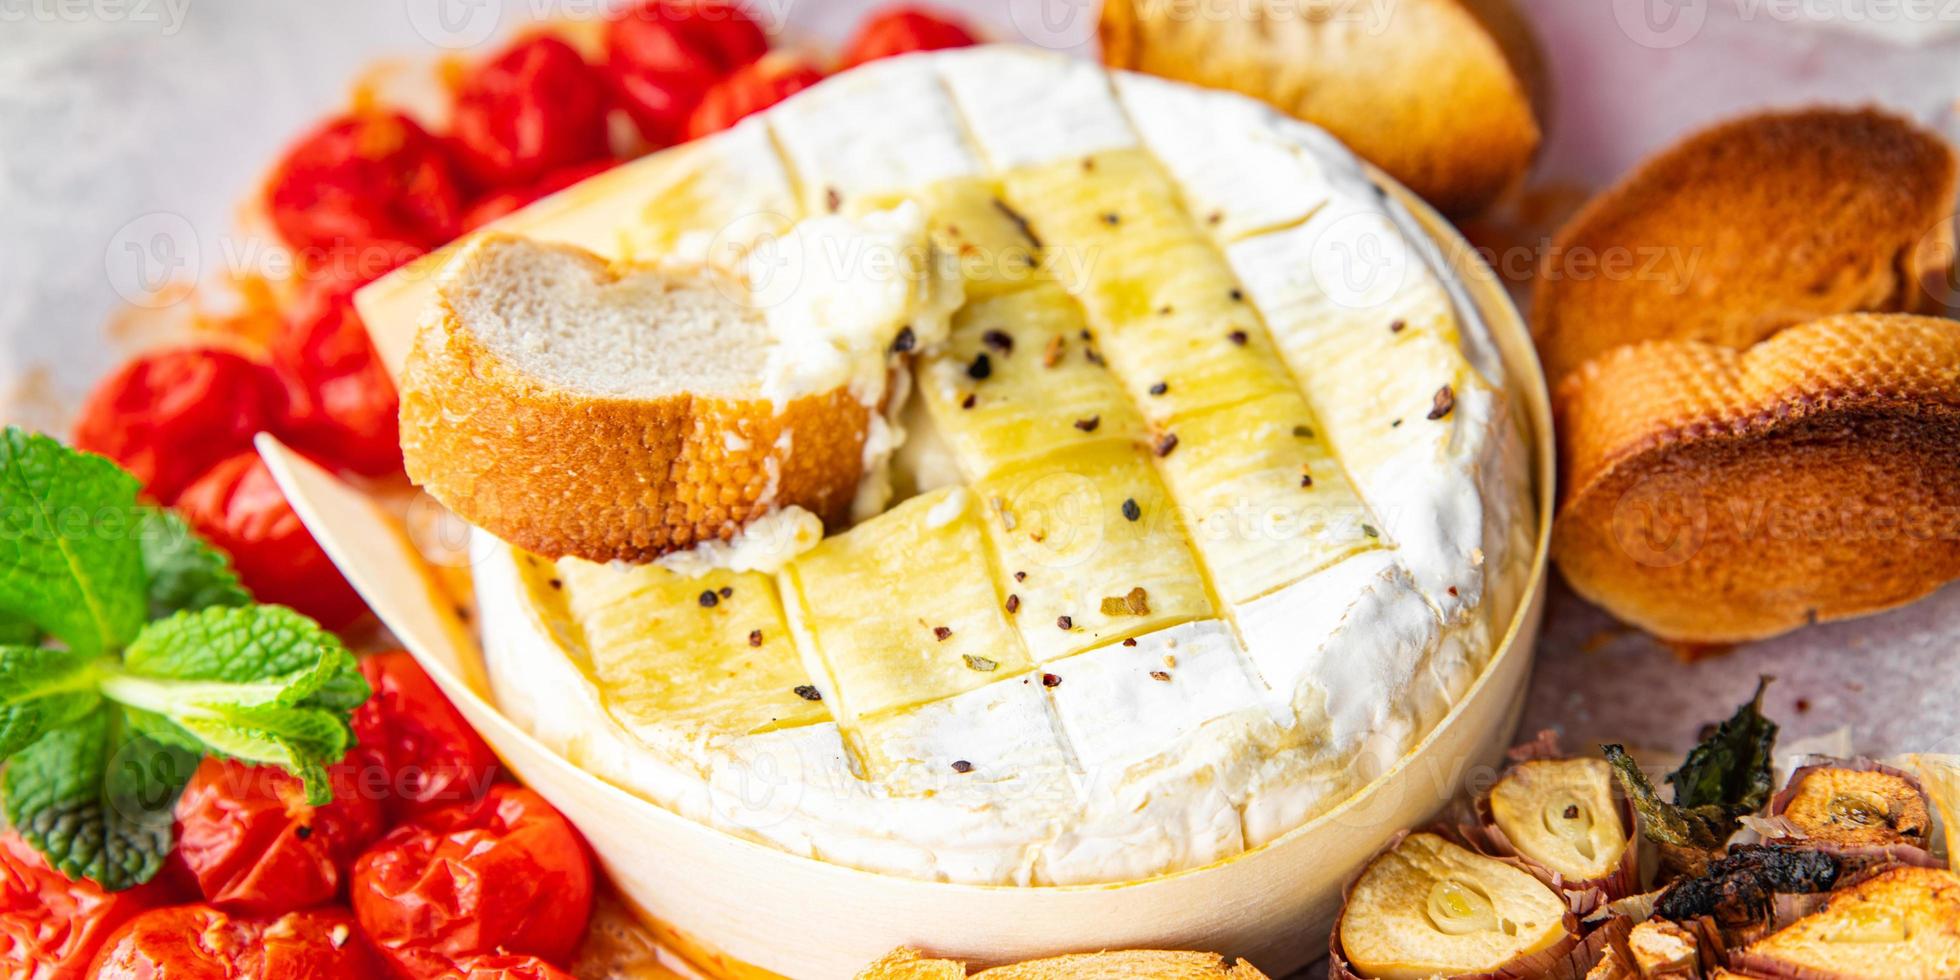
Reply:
x=572, y=408
x=1713, y=496
x=1903, y=924
x=1439, y=93
x=1750, y=227
x=910, y=964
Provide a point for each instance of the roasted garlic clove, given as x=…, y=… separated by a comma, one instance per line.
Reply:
x=1429, y=908
x=1560, y=813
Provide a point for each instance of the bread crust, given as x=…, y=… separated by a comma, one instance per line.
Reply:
x=1712, y=496
x=1441, y=97
x=1749, y=227
x=560, y=472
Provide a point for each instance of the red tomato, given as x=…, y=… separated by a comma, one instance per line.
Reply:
x=362, y=194
x=749, y=91
x=533, y=109
x=168, y=417
x=341, y=405
x=50, y=926
x=664, y=55
x=415, y=750
x=505, y=874
x=237, y=507
x=198, y=942
x=495, y=205
x=901, y=29
x=248, y=838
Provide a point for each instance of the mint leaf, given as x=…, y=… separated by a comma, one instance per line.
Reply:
x=263, y=684
x=184, y=572
x=95, y=799
x=69, y=562
x=18, y=632
x=41, y=690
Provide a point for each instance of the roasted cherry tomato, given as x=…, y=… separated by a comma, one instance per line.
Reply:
x=414, y=749
x=750, y=90
x=902, y=29
x=237, y=507
x=662, y=56
x=341, y=405
x=362, y=194
x=248, y=838
x=531, y=110
x=168, y=417
x=495, y=205
x=198, y=942
x=505, y=874
x=51, y=926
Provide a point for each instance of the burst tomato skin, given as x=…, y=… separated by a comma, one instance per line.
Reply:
x=50, y=926
x=505, y=874
x=199, y=942
x=414, y=749
x=903, y=29
x=247, y=837
x=663, y=55
x=748, y=91
x=238, y=507
x=362, y=194
x=341, y=406
x=533, y=109
x=168, y=417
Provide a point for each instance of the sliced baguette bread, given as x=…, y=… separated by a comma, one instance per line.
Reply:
x=1750, y=227
x=910, y=964
x=1439, y=93
x=572, y=408
x=1712, y=496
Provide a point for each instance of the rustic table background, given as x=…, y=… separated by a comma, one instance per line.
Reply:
x=129, y=129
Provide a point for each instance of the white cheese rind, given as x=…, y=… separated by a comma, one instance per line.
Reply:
x=886, y=127
x=1239, y=173
x=1027, y=107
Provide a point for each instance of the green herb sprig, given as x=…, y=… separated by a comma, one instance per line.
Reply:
x=1727, y=776
x=129, y=651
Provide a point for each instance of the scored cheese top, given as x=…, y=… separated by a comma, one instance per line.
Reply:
x=1217, y=502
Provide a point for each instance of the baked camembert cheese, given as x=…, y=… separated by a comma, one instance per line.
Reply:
x=1210, y=502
